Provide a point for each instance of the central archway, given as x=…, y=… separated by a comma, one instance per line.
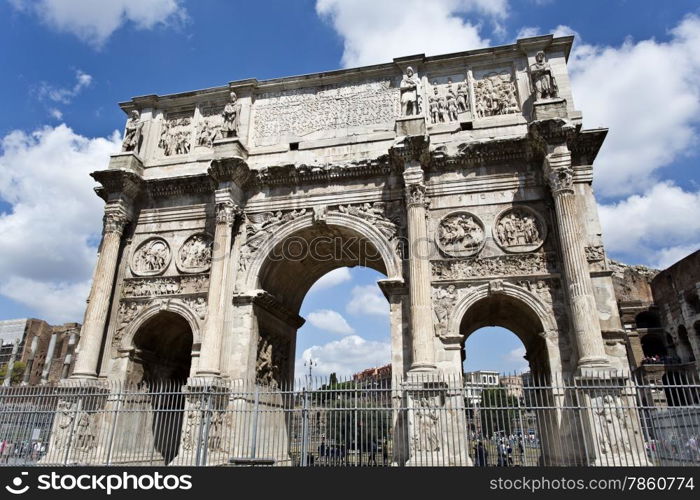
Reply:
x=297, y=255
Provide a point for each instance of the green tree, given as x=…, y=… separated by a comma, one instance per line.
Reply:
x=498, y=411
x=17, y=372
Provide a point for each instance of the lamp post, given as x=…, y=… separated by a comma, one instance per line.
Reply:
x=310, y=363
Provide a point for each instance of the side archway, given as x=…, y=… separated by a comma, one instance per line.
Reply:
x=507, y=305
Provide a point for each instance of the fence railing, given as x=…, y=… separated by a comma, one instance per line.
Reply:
x=318, y=422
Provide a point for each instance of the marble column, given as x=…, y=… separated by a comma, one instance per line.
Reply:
x=115, y=220
x=584, y=314
x=210, y=353
x=423, y=350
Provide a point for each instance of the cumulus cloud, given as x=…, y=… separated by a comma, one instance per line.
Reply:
x=64, y=95
x=346, y=356
x=330, y=321
x=49, y=235
x=378, y=31
x=367, y=299
x=514, y=361
x=648, y=94
x=94, y=22
x=654, y=228
x=331, y=279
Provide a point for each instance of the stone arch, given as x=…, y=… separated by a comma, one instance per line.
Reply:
x=537, y=323
x=386, y=249
x=176, y=306
x=284, y=282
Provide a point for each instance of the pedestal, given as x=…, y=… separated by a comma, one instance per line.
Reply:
x=549, y=108
x=410, y=125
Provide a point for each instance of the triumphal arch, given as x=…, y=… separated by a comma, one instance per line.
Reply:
x=464, y=178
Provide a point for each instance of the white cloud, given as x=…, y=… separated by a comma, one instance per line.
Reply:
x=330, y=321
x=48, y=237
x=95, y=21
x=56, y=113
x=653, y=228
x=346, y=356
x=64, y=95
x=367, y=299
x=514, y=361
x=378, y=31
x=331, y=279
x=648, y=94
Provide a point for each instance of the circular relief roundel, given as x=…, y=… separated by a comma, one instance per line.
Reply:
x=519, y=229
x=194, y=255
x=460, y=234
x=151, y=257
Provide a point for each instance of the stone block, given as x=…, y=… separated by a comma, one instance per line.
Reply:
x=410, y=125
x=548, y=109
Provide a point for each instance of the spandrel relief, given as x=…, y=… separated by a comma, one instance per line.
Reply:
x=519, y=230
x=151, y=257
x=460, y=234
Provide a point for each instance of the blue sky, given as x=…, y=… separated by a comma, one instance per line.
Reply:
x=66, y=63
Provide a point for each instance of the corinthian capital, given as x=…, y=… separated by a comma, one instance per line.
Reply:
x=114, y=222
x=226, y=213
x=415, y=194
x=560, y=180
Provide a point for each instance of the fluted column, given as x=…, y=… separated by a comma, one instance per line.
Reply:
x=584, y=314
x=210, y=354
x=419, y=269
x=115, y=220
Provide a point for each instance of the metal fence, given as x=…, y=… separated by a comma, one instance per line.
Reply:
x=416, y=421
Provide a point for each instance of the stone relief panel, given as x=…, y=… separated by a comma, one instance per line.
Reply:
x=208, y=127
x=384, y=216
x=299, y=112
x=519, y=229
x=506, y=265
x=495, y=94
x=460, y=234
x=195, y=253
x=426, y=432
x=176, y=133
x=595, y=255
x=446, y=101
x=272, y=365
x=261, y=226
x=444, y=300
x=176, y=285
x=151, y=257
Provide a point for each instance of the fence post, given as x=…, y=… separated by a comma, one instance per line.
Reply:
x=120, y=395
x=304, y=429
x=203, y=444
x=254, y=437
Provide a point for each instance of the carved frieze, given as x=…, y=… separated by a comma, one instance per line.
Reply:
x=519, y=229
x=176, y=134
x=195, y=253
x=175, y=285
x=151, y=257
x=446, y=101
x=460, y=234
x=595, y=253
x=506, y=265
x=495, y=94
x=262, y=225
x=383, y=216
x=198, y=305
x=128, y=310
x=298, y=112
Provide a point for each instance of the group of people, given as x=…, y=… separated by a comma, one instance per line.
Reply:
x=20, y=452
x=461, y=232
x=332, y=454
x=505, y=449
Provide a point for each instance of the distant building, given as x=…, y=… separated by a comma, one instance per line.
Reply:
x=476, y=382
x=513, y=385
x=47, y=352
x=382, y=373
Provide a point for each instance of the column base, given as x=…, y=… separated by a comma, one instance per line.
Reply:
x=423, y=368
